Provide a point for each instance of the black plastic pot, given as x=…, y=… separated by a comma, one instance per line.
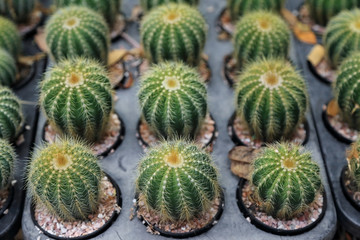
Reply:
x=32, y=30
x=346, y=193
x=24, y=81
x=316, y=74
x=8, y=201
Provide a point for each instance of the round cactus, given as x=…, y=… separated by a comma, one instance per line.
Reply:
x=286, y=180
x=238, y=8
x=342, y=37
x=108, y=9
x=174, y=32
x=11, y=118
x=322, y=11
x=149, y=4
x=272, y=99
x=260, y=34
x=76, y=98
x=173, y=100
x=77, y=31
x=19, y=10
x=7, y=68
x=353, y=159
x=7, y=160
x=65, y=177
x=9, y=37
x=178, y=180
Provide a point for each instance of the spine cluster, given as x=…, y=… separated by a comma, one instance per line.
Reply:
x=7, y=160
x=353, y=159
x=9, y=37
x=147, y=5
x=7, y=68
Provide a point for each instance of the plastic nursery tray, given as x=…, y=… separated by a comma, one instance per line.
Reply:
x=121, y=164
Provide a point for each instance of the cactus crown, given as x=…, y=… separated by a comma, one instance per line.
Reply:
x=178, y=180
x=149, y=4
x=342, y=36
x=173, y=100
x=9, y=37
x=260, y=34
x=7, y=160
x=353, y=159
x=76, y=97
x=7, y=68
x=77, y=31
x=286, y=179
x=272, y=99
x=19, y=10
x=173, y=32
x=65, y=177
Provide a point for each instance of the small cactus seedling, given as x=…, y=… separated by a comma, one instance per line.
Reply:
x=173, y=100
x=272, y=99
x=347, y=92
x=286, y=180
x=178, y=180
x=174, y=32
x=260, y=34
x=77, y=31
x=19, y=10
x=149, y=4
x=11, y=118
x=108, y=9
x=7, y=160
x=238, y=8
x=7, y=68
x=353, y=159
x=9, y=37
x=322, y=11
x=65, y=177
x=76, y=97
x=342, y=36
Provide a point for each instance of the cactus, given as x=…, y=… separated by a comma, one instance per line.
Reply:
x=238, y=8
x=178, y=180
x=9, y=37
x=353, y=159
x=19, y=10
x=76, y=98
x=7, y=68
x=149, y=4
x=272, y=99
x=65, y=177
x=77, y=31
x=108, y=9
x=174, y=32
x=322, y=11
x=11, y=118
x=173, y=100
x=286, y=180
x=260, y=34
x=342, y=37
x=7, y=160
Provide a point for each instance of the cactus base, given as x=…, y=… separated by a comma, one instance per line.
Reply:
x=7, y=194
x=349, y=188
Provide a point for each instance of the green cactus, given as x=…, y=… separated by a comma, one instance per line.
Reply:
x=342, y=37
x=76, y=97
x=286, y=180
x=322, y=11
x=7, y=68
x=353, y=159
x=272, y=99
x=11, y=118
x=174, y=32
x=173, y=100
x=9, y=37
x=7, y=160
x=238, y=8
x=149, y=4
x=178, y=180
x=77, y=31
x=65, y=177
x=19, y=10
x=108, y=9
x=260, y=34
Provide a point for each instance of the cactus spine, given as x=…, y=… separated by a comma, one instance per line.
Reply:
x=9, y=37
x=260, y=34
x=286, y=179
x=7, y=160
x=238, y=8
x=174, y=32
x=7, y=68
x=77, y=31
x=11, y=118
x=173, y=100
x=178, y=180
x=342, y=36
x=272, y=99
x=353, y=159
x=76, y=98
x=19, y=10
x=65, y=177
x=149, y=4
